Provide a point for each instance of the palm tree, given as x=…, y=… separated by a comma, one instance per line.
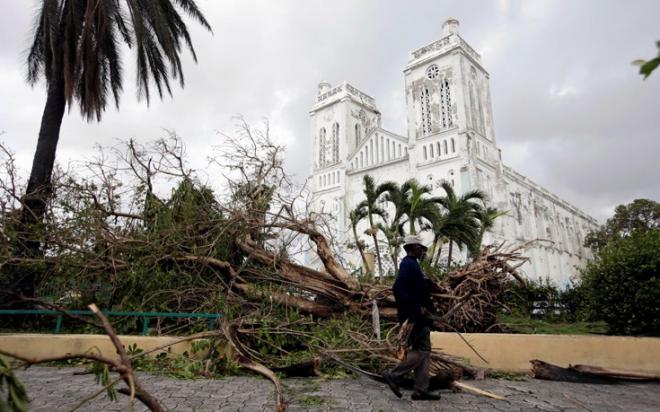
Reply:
x=418, y=207
x=393, y=230
x=372, y=209
x=438, y=224
x=76, y=50
x=462, y=222
x=486, y=217
x=355, y=216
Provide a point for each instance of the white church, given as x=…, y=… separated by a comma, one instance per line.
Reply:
x=450, y=136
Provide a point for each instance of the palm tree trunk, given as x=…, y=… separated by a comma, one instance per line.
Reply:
x=380, y=264
x=438, y=252
x=434, y=246
x=365, y=264
x=451, y=244
x=373, y=230
x=396, y=262
x=395, y=254
x=39, y=187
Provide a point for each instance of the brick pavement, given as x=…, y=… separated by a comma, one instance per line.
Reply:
x=57, y=389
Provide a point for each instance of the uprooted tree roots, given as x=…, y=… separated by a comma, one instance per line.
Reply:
x=112, y=239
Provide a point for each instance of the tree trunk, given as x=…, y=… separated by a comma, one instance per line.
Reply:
x=374, y=231
x=393, y=255
x=39, y=187
x=380, y=265
x=451, y=245
x=585, y=373
x=438, y=252
x=358, y=245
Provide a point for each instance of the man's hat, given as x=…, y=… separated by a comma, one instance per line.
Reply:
x=413, y=240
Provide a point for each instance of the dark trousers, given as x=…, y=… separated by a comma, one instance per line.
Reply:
x=418, y=359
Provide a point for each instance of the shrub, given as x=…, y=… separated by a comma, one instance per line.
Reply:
x=536, y=298
x=623, y=284
x=542, y=299
x=574, y=301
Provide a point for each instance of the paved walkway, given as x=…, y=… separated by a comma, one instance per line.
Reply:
x=57, y=389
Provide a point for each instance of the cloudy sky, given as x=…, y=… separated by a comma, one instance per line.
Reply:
x=570, y=110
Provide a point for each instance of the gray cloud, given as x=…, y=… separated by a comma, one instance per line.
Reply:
x=570, y=111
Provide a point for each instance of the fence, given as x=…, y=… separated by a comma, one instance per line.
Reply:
x=211, y=318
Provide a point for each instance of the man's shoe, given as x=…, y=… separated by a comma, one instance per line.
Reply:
x=392, y=384
x=425, y=396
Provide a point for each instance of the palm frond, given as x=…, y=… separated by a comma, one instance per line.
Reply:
x=77, y=43
x=40, y=54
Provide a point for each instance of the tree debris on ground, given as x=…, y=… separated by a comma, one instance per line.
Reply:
x=111, y=238
x=587, y=373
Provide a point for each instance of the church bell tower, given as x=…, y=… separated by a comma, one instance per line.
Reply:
x=447, y=89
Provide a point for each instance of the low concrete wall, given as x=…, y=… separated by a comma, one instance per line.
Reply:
x=503, y=351
x=36, y=345
x=513, y=352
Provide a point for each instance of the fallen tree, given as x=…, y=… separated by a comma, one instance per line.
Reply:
x=112, y=238
x=586, y=373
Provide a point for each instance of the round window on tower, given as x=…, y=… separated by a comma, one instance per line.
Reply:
x=433, y=71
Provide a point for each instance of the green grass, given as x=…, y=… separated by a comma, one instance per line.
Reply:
x=312, y=400
x=518, y=324
x=507, y=376
x=305, y=394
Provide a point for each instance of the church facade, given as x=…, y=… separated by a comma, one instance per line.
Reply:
x=450, y=137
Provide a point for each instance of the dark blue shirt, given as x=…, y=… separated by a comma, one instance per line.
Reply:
x=411, y=291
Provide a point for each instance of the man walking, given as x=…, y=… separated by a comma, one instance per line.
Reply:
x=413, y=300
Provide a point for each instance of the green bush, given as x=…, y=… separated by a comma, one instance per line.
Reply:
x=623, y=284
x=542, y=299
x=574, y=301
x=537, y=298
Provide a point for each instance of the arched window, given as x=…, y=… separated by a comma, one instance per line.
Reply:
x=425, y=157
x=375, y=154
x=445, y=104
x=482, y=123
x=489, y=187
x=371, y=152
x=439, y=151
x=399, y=150
x=393, y=149
x=474, y=108
x=335, y=142
x=366, y=155
x=444, y=143
x=453, y=145
x=361, y=159
x=431, y=153
x=357, y=134
x=322, y=147
x=425, y=103
x=382, y=149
